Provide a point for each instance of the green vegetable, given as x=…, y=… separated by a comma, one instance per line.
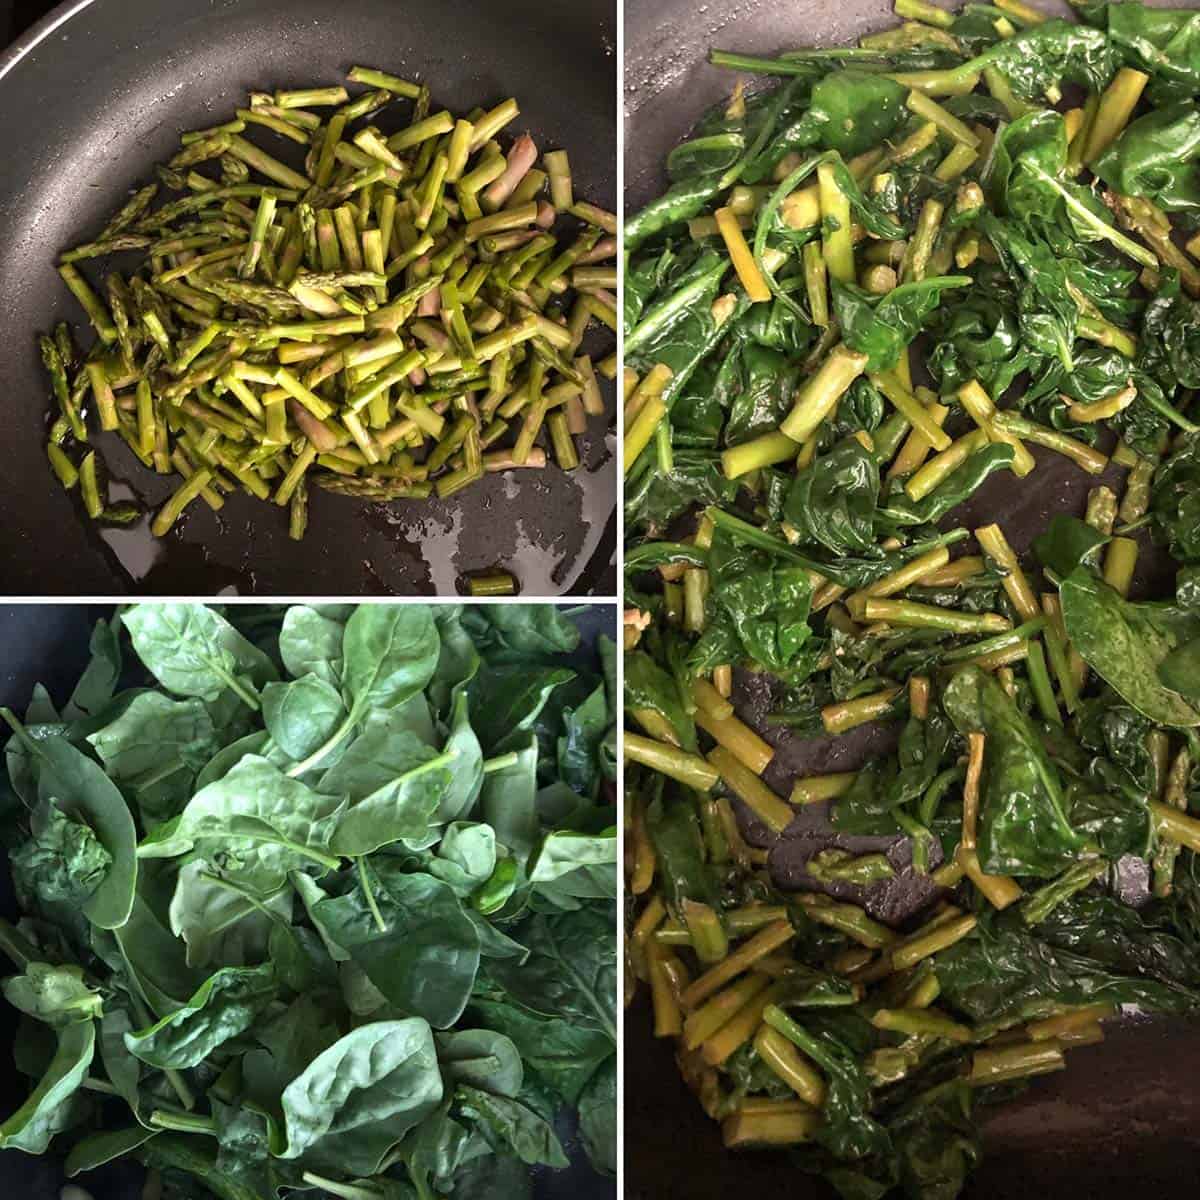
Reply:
x=1155, y=157
x=223, y=1008
x=882, y=327
x=832, y=503
x=1023, y=824
x=73, y=785
x=1127, y=644
x=989, y=203
x=255, y=343
x=52, y=1106
x=244, y=924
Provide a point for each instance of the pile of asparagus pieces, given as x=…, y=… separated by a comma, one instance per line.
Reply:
x=400, y=317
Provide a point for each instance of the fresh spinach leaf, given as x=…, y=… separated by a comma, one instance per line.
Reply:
x=357, y=1099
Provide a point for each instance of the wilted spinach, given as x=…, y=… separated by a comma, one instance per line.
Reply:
x=924, y=210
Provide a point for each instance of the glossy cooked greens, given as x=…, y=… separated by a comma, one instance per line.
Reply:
x=318, y=897
x=904, y=277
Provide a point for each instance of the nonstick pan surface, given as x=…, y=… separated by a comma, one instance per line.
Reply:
x=1124, y=1119
x=48, y=644
x=97, y=94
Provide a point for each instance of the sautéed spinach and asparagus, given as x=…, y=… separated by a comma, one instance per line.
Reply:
x=949, y=262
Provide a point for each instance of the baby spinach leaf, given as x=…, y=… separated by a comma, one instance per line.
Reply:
x=100, y=1148
x=1049, y=314
x=402, y=809
x=147, y=959
x=465, y=858
x=1178, y=671
x=153, y=734
x=59, y=996
x=852, y=111
x=565, y=852
x=310, y=643
x=598, y=1118
x=1155, y=157
x=937, y=1141
x=1004, y=971
x=433, y=1151
x=1030, y=182
x=979, y=337
x=219, y=923
x=458, y=660
x=425, y=960
x=384, y=749
x=509, y=631
x=832, y=502
x=764, y=600
x=509, y=800
x=357, y=1099
x=391, y=652
x=679, y=203
x=1175, y=499
x=569, y=973
x=179, y=1153
x=1125, y=644
x=579, y=746
x=219, y=765
x=83, y=792
x=193, y=651
x=1127, y=940
x=562, y=1053
x=1117, y=823
x=1161, y=41
x=98, y=682
x=511, y=1125
x=896, y=510
x=302, y=715
x=655, y=499
x=1050, y=54
x=466, y=771
x=848, y=1130
x=63, y=860
x=679, y=329
x=1023, y=825
x=881, y=327
x=482, y=1058
x=1067, y=543
x=225, y=1006
x=647, y=685
x=506, y=700
x=674, y=830
x=1170, y=344
x=48, y=1110
x=255, y=823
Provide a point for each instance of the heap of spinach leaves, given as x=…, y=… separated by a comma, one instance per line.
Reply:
x=1027, y=242
x=318, y=899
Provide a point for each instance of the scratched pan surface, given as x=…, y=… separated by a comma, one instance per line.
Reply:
x=48, y=644
x=94, y=96
x=1124, y=1119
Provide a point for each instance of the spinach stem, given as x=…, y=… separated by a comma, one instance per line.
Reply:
x=183, y=1123
x=369, y=894
x=298, y=769
x=500, y=763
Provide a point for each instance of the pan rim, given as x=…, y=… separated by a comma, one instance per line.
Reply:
x=38, y=33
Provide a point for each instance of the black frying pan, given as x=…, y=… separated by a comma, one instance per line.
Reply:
x=48, y=644
x=94, y=96
x=1124, y=1119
